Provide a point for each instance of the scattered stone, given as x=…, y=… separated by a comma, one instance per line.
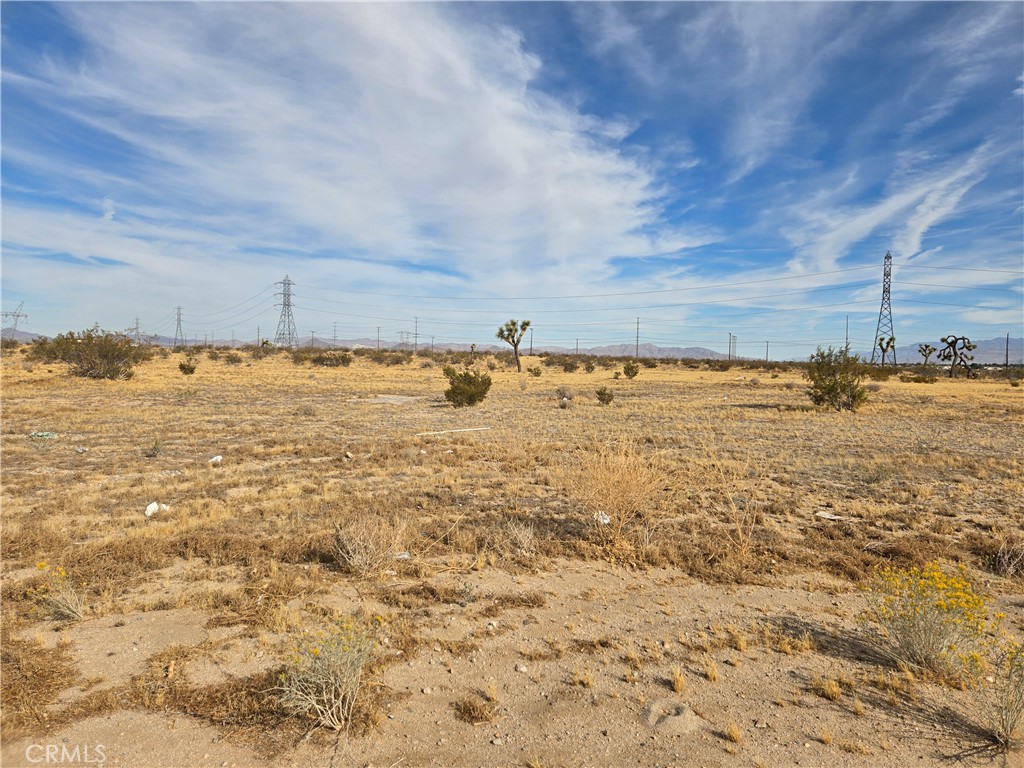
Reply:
x=215, y=461
x=348, y=456
x=152, y=509
x=81, y=449
x=43, y=435
x=521, y=668
x=497, y=742
x=761, y=724
x=428, y=691
x=402, y=556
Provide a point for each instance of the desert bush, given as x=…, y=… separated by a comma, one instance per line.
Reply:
x=565, y=393
x=835, y=379
x=534, y=371
x=878, y=373
x=213, y=354
x=630, y=370
x=332, y=359
x=1003, y=696
x=589, y=366
x=932, y=619
x=917, y=378
x=604, y=395
x=619, y=487
x=92, y=354
x=648, y=362
x=325, y=675
x=232, y=358
x=58, y=595
x=570, y=366
x=366, y=544
x=188, y=365
x=466, y=387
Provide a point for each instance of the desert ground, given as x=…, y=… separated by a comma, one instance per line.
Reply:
x=675, y=578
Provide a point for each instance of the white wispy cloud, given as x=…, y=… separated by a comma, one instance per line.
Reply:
x=400, y=134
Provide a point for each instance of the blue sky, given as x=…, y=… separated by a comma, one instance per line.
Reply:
x=708, y=168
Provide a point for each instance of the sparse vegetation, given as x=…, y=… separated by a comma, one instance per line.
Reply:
x=604, y=395
x=630, y=370
x=512, y=333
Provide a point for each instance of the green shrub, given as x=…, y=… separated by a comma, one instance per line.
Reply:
x=589, y=366
x=570, y=366
x=92, y=354
x=835, y=378
x=649, y=362
x=605, y=396
x=631, y=370
x=213, y=354
x=233, y=358
x=878, y=373
x=466, y=387
x=188, y=365
x=534, y=371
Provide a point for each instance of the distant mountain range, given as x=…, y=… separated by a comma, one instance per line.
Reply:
x=988, y=352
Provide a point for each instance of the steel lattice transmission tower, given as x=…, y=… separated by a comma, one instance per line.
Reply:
x=884, y=329
x=286, y=335
x=14, y=317
x=179, y=335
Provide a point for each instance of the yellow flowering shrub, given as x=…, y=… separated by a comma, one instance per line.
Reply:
x=323, y=677
x=58, y=594
x=932, y=618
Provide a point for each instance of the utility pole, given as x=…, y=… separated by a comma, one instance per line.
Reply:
x=637, y=353
x=884, y=329
x=416, y=334
x=1006, y=362
x=312, y=339
x=259, y=341
x=206, y=342
x=232, y=338
x=729, y=354
x=378, y=338
x=577, y=346
x=179, y=335
x=531, y=342
x=431, y=345
x=334, y=342
x=286, y=335
x=14, y=317
x=766, y=352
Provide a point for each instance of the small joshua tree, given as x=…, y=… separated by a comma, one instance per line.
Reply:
x=926, y=351
x=956, y=354
x=512, y=333
x=886, y=346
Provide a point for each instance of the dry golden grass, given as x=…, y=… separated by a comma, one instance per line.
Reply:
x=694, y=469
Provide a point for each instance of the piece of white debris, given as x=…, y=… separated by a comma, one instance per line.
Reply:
x=602, y=518
x=164, y=508
x=215, y=461
x=152, y=509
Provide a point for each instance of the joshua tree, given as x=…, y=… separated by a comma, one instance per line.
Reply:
x=955, y=353
x=886, y=345
x=926, y=351
x=512, y=333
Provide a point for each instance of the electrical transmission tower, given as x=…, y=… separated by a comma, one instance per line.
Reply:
x=179, y=335
x=135, y=332
x=884, y=332
x=286, y=335
x=13, y=318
